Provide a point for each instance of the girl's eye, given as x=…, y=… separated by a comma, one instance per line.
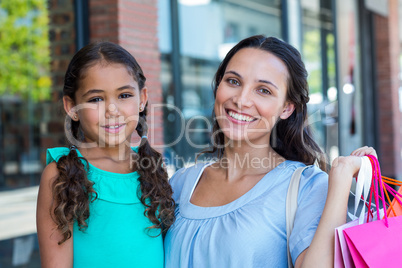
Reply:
x=125, y=95
x=97, y=99
x=233, y=82
x=264, y=91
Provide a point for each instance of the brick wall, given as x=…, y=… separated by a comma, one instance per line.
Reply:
x=390, y=117
x=133, y=25
x=62, y=49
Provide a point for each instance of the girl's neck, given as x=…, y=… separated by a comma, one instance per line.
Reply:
x=116, y=154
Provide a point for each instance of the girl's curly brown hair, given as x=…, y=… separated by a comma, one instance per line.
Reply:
x=72, y=191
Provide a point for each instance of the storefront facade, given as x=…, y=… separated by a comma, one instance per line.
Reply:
x=351, y=50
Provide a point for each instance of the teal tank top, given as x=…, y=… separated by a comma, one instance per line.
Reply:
x=116, y=235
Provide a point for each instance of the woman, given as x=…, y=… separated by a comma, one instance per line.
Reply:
x=231, y=213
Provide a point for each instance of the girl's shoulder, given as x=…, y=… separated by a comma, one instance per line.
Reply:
x=54, y=154
x=51, y=172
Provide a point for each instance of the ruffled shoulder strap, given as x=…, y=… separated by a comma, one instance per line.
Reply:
x=54, y=154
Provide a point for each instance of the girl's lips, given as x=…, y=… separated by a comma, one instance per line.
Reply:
x=113, y=129
x=247, y=119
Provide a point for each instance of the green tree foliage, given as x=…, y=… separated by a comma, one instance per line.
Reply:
x=312, y=59
x=24, y=49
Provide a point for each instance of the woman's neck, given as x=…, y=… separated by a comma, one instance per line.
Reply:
x=248, y=160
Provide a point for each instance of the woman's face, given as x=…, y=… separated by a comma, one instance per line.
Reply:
x=251, y=96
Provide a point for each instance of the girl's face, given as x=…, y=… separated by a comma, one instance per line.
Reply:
x=251, y=96
x=107, y=104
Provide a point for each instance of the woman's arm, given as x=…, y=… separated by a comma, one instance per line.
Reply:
x=321, y=250
x=51, y=254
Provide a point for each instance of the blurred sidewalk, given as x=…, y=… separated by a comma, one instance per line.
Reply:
x=17, y=212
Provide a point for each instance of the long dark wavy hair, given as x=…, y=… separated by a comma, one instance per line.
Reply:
x=291, y=138
x=72, y=191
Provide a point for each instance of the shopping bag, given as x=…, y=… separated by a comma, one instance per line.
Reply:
x=374, y=244
x=396, y=205
x=342, y=256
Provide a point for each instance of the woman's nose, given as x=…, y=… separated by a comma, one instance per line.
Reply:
x=243, y=98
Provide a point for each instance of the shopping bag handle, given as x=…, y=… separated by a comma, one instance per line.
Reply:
x=378, y=181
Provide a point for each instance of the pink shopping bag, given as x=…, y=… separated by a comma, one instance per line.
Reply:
x=374, y=244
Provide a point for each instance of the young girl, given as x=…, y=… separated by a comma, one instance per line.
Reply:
x=101, y=202
x=231, y=213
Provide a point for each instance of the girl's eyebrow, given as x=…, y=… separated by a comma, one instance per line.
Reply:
x=92, y=91
x=260, y=81
x=127, y=87
x=96, y=91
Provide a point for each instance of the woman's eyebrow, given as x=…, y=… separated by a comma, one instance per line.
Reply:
x=261, y=81
x=268, y=82
x=233, y=72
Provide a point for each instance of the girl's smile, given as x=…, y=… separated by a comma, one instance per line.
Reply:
x=114, y=128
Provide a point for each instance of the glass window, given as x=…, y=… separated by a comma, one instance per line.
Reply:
x=350, y=89
x=207, y=30
x=24, y=83
x=318, y=50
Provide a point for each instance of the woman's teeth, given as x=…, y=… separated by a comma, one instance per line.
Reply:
x=240, y=117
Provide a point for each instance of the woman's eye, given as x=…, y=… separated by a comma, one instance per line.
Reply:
x=233, y=82
x=264, y=91
x=95, y=99
x=125, y=95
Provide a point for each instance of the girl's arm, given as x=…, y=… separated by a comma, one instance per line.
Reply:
x=51, y=254
x=321, y=250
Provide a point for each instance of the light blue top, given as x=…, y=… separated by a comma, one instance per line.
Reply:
x=250, y=231
x=116, y=235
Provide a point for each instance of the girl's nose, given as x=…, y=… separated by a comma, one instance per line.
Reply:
x=112, y=110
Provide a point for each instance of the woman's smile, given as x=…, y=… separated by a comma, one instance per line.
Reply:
x=239, y=118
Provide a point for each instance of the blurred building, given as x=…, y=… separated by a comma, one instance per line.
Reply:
x=352, y=50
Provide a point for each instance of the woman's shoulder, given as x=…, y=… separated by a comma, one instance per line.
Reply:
x=311, y=176
x=186, y=177
x=309, y=170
